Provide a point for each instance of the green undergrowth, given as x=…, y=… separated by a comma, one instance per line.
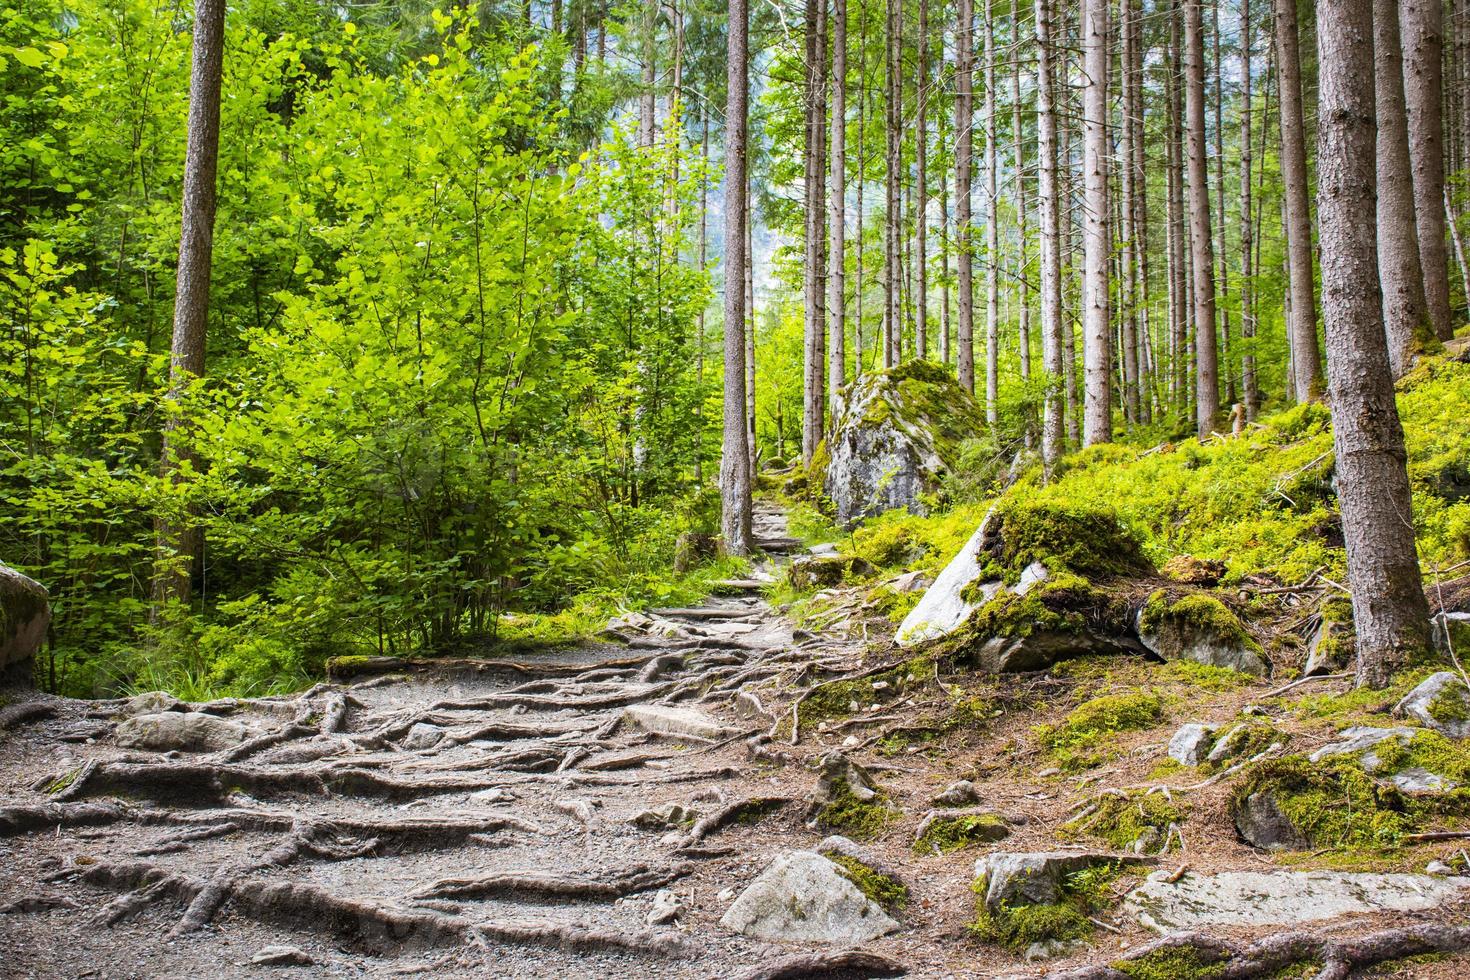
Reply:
x=1173, y=963
x=1122, y=820
x=1359, y=705
x=855, y=818
x=1081, y=740
x=1332, y=803
x=951, y=833
x=968, y=710
x=1064, y=534
x=1015, y=927
x=887, y=891
x=1185, y=677
x=836, y=699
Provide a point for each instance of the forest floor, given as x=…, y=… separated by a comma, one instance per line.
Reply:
x=482, y=818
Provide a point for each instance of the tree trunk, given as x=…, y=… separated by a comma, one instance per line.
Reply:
x=1023, y=285
x=178, y=539
x=1174, y=168
x=964, y=112
x=1051, y=234
x=837, y=273
x=1390, y=615
x=1097, y=412
x=646, y=97
x=735, y=459
x=814, y=402
x=992, y=231
x=1222, y=250
x=1250, y=390
x=862, y=188
x=1140, y=217
x=1405, y=318
x=1202, y=248
x=1423, y=52
x=703, y=268
x=750, y=318
x=919, y=203
x=1305, y=355
x=893, y=78
x=1128, y=259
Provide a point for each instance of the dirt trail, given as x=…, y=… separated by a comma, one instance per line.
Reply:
x=510, y=846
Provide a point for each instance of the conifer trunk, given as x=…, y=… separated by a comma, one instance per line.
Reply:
x=1305, y=354
x=1202, y=248
x=735, y=459
x=963, y=154
x=1097, y=412
x=992, y=232
x=1422, y=27
x=837, y=273
x=1051, y=259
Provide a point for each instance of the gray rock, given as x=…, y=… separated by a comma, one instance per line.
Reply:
x=151, y=703
x=180, y=731
x=1045, y=648
x=666, y=908
x=825, y=571
x=1440, y=702
x=486, y=797
x=1437, y=867
x=1260, y=823
x=962, y=793
x=667, y=720
x=889, y=449
x=1031, y=576
x=1227, y=745
x=748, y=706
x=25, y=612
x=282, y=956
x=990, y=830
x=1360, y=740
x=1034, y=878
x=911, y=582
x=1330, y=649
x=824, y=548
x=1184, y=638
x=664, y=817
x=840, y=776
x=943, y=608
x=1281, y=898
x=1417, y=779
x=1051, y=949
x=1190, y=743
x=801, y=897
x=839, y=845
x=422, y=736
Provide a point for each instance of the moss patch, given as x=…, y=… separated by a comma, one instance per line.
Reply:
x=1332, y=803
x=856, y=818
x=1018, y=926
x=884, y=889
x=1079, y=741
x=1119, y=821
x=1195, y=614
x=1088, y=541
x=953, y=833
x=835, y=699
x=1175, y=963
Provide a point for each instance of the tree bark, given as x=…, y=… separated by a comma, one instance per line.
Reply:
x=646, y=96
x=1222, y=250
x=1202, y=248
x=1250, y=389
x=1023, y=285
x=1405, y=317
x=1051, y=259
x=1390, y=614
x=1097, y=334
x=859, y=284
x=892, y=270
x=1128, y=258
x=992, y=231
x=1422, y=25
x=919, y=203
x=964, y=112
x=734, y=461
x=179, y=540
x=1306, y=356
x=814, y=402
x=837, y=273
x=1140, y=219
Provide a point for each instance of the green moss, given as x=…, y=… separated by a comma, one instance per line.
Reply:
x=1206, y=677
x=1450, y=705
x=1077, y=741
x=1119, y=821
x=345, y=667
x=1018, y=926
x=1361, y=704
x=855, y=818
x=1194, y=613
x=884, y=889
x=835, y=699
x=1253, y=737
x=1052, y=606
x=948, y=834
x=1088, y=541
x=1332, y=803
x=62, y=782
x=1172, y=963
x=1429, y=750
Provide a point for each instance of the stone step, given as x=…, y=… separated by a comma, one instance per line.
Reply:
x=705, y=612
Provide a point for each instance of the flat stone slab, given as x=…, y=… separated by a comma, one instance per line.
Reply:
x=666, y=720
x=802, y=898
x=1281, y=898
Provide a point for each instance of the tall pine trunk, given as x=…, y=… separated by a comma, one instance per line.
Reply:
x=179, y=539
x=1202, y=249
x=919, y=203
x=1390, y=615
x=992, y=231
x=1023, y=284
x=964, y=113
x=814, y=401
x=735, y=459
x=1097, y=413
x=892, y=270
x=1049, y=199
x=1128, y=257
x=1422, y=25
x=837, y=261
x=1250, y=389
x=1305, y=354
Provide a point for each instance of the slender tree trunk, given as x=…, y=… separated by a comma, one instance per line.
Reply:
x=862, y=191
x=837, y=273
x=735, y=460
x=1390, y=615
x=646, y=92
x=992, y=229
x=1423, y=58
x=964, y=117
x=703, y=267
x=1051, y=234
x=1071, y=227
x=1023, y=285
x=1128, y=258
x=1250, y=390
x=1178, y=318
x=1405, y=316
x=1202, y=248
x=892, y=271
x=750, y=317
x=920, y=200
x=1097, y=414
x=944, y=244
x=179, y=540
x=1140, y=218
x=814, y=402
x=1222, y=250
x=1305, y=353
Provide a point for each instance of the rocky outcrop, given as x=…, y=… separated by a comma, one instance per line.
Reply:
x=1200, y=628
x=180, y=731
x=1261, y=823
x=676, y=722
x=25, y=613
x=1040, y=878
x=825, y=571
x=1280, y=898
x=1191, y=743
x=896, y=435
x=1440, y=702
x=949, y=602
x=802, y=897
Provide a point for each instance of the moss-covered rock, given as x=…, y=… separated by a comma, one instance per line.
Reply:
x=1442, y=702
x=1082, y=538
x=1198, y=627
x=896, y=435
x=1024, y=899
x=847, y=801
x=886, y=890
x=1081, y=740
x=25, y=613
x=1173, y=963
x=950, y=830
x=1293, y=803
x=1138, y=822
x=825, y=571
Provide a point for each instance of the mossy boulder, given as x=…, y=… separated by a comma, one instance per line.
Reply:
x=896, y=435
x=1293, y=803
x=1201, y=628
x=950, y=830
x=1025, y=899
x=826, y=571
x=1136, y=822
x=1332, y=646
x=847, y=800
x=1440, y=702
x=25, y=614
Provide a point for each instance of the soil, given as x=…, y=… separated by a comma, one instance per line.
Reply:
x=374, y=859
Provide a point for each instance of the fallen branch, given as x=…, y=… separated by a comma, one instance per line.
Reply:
x=638, y=878
x=850, y=963
x=1305, y=680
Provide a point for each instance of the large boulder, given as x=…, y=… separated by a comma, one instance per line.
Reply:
x=1036, y=878
x=25, y=612
x=180, y=731
x=802, y=897
x=896, y=435
x=1168, y=902
x=1200, y=628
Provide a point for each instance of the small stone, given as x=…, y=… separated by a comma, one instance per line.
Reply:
x=151, y=703
x=1190, y=742
x=962, y=793
x=486, y=797
x=668, y=720
x=881, y=685
x=422, y=736
x=282, y=956
x=802, y=897
x=1440, y=702
x=1051, y=949
x=664, y=817
x=725, y=894
x=1438, y=868
x=666, y=908
x=850, y=742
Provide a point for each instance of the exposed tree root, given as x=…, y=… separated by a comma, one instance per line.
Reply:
x=639, y=878
x=16, y=714
x=1339, y=956
x=28, y=819
x=851, y=963
x=750, y=807
x=497, y=701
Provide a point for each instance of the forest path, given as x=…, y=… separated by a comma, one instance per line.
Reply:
x=472, y=818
